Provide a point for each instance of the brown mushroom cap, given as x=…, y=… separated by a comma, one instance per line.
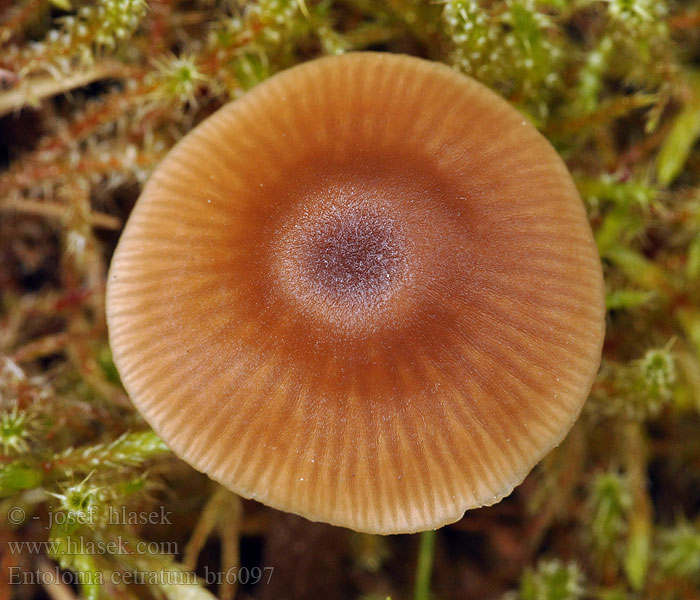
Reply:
x=367, y=293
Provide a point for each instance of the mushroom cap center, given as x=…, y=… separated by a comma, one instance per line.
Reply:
x=356, y=248
x=344, y=260
x=353, y=259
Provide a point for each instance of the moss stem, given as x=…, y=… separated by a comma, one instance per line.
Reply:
x=424, y=567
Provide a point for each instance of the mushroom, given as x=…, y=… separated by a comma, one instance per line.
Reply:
x=366, y=292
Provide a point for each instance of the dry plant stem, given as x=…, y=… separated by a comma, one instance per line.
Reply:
x=28, y=307
x=49, y=344
x=686, y=20
x=55, y=210
x=230, y=533
x=564, y=466
x=609, y=111
x=18, y=20
x=638, y=545
x=222, y=512
x=160, y=13
x=32, y=90
x=54, y=588
x=203, y=529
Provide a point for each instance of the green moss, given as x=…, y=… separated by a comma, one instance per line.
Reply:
x=93, y=95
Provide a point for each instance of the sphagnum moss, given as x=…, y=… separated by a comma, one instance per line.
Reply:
x=93, y=96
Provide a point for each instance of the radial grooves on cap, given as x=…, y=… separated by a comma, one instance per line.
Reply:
x=439, y=400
